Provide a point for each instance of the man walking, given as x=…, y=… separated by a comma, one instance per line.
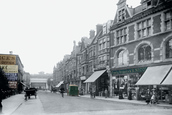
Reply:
x=62, y=91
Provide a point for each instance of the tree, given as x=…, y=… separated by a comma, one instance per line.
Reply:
x=3, y=80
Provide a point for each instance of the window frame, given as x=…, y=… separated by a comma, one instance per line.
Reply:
x=168, y=20
x=121, y=36
x=144, y=28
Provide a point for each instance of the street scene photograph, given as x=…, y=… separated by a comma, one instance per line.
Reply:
x=86, y=57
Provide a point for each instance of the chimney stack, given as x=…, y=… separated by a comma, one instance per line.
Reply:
x=92, y=34
x=99, y=27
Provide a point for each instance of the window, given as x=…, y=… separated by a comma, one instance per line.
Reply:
x=169, y=49
x=144, y=53
x=168, y=20
x=121, y=36
x=144, y=28
x=122, y=57
x=121, y=15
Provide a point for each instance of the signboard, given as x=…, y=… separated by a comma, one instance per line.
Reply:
x=12, y=84
x=83, y=78
x=7, y=59
x=133, y=70
x=11, y=76
x=9, y=68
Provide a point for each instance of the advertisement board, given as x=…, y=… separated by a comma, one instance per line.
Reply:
x=12, y=84
x=11, y=76
x=9, y=68
x=7, y=59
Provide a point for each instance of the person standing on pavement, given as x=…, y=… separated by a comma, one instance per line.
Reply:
x=90, y=90
x=0, y=101
x=62, y=91
x=106, y=93
x=148, y=96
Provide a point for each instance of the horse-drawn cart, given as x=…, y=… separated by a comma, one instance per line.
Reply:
x=30, y=92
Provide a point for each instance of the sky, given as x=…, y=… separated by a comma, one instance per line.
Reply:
x=41, y=32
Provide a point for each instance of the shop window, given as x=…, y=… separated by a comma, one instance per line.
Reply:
x=169, y=49
x=123, y=57
x=144, y=53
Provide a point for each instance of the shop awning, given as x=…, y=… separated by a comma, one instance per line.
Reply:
x=168, y=79
x=154, y=75
x=95, y=76
x=58, y=85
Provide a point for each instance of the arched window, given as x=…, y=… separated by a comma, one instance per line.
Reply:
x=122, y=57
x=144, y=53
x=169, y=49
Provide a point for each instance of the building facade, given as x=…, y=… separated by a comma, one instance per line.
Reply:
x=140, y=38
x=123, y=52
x=13, y=68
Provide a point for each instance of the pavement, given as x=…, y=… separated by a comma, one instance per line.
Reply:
x=116, y=99
x=11, y=104
x=16, y=105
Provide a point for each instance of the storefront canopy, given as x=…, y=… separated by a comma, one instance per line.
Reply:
x=168, y=79
x=58, y=85
x=95, y=76
x=154, y=75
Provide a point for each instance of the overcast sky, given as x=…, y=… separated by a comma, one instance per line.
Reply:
x=41, y=32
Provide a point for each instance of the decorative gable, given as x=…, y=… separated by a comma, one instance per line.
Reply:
x=123, y=12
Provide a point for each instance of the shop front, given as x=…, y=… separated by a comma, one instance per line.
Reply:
x=82, y=86
x=99, y=81
x=158, y=79
x=124, y=80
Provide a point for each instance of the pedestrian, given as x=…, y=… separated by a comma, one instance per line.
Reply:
x=106, y=92
x=94, y=92
x=1, y=101
x=153, y=101
x=148, y=96
x=62, y=91
x=130, y=94
x=90, y=90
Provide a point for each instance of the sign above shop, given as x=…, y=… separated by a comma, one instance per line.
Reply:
x=7, y=59
x=11, y=76
x=12, y=84
x=125, y=71
x=9, y=68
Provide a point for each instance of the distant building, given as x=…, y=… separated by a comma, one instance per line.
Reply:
x=40, y=80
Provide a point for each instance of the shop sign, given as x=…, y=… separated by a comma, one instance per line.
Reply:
x=9, y=68
x=7, y=59
x=12, y=84
x=11, y=76
x=83, y=78
x=133, y=70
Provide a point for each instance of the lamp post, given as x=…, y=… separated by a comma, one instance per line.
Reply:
x=110, y=79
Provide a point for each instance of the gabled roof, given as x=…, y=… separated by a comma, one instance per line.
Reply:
x=121, y=1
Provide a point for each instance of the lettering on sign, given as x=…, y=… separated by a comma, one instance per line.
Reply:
x=12, y=84
x=7, y=59
x=125, y=71
x=9, y=68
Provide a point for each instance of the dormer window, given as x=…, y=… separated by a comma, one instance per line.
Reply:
x=149, y=3
x=121, y=15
